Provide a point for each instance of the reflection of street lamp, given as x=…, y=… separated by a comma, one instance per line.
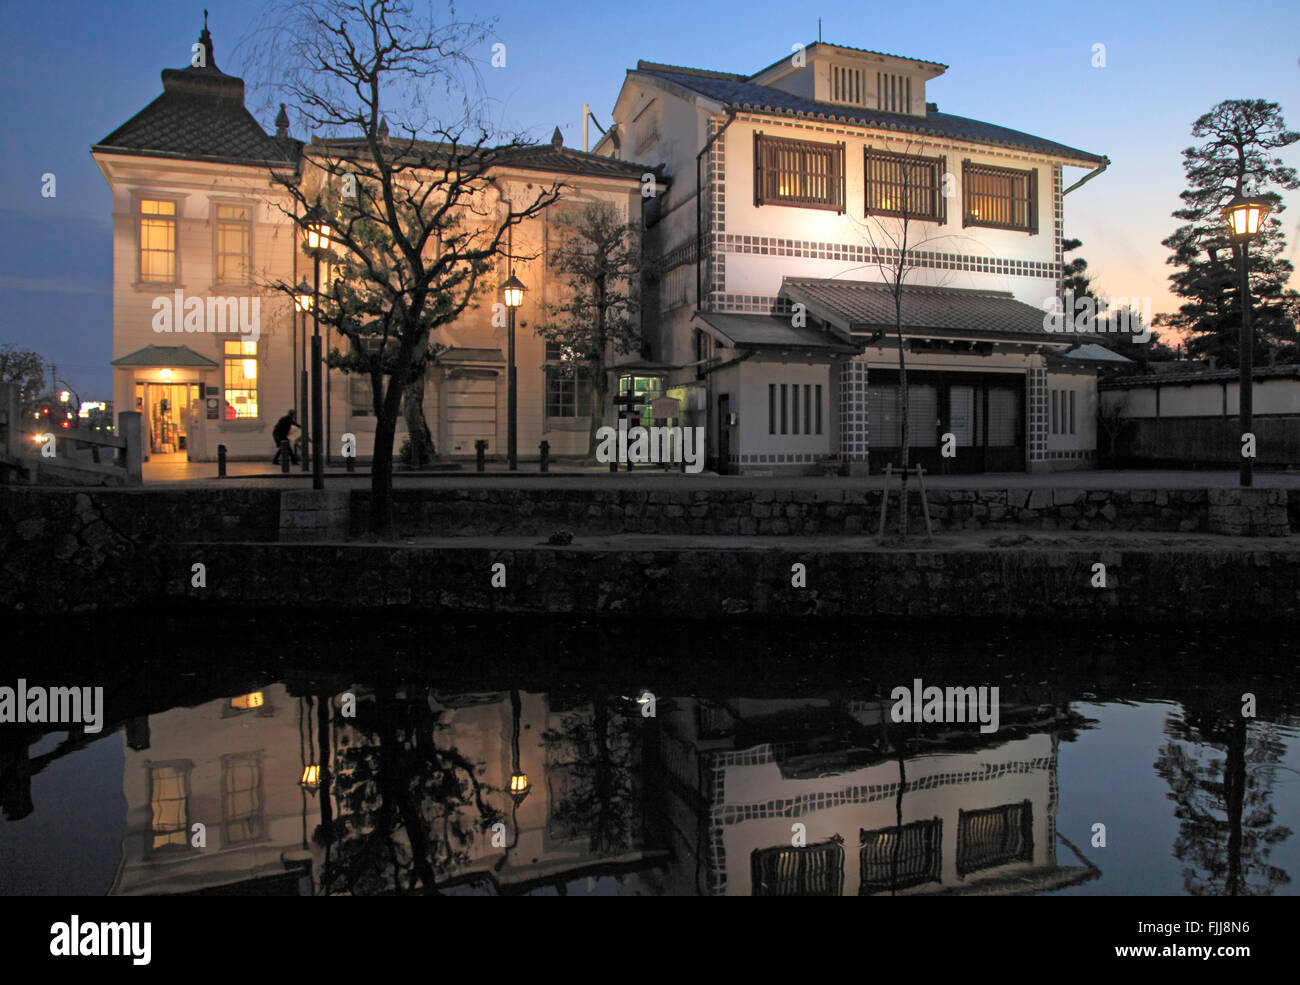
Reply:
x=317, y=232
x=310, y=778
x=518, y=778
x=1245, y=218
x=513, y=291
x=303, y=301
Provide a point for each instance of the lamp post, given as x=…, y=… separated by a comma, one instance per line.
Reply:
x=513, y=292
x=1245, y=218
x=317, y=232
x=303, y=302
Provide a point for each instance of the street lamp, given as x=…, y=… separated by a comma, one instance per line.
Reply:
x=317, y=231
x=513, y=292
x=303, y=301
x=1245, y=218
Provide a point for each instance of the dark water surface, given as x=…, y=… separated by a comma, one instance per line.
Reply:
x=673, y=759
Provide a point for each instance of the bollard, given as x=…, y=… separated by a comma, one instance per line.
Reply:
x=545, y=449
x=221, y=461
x=350, y=463
x=480, y=452
x=285, y=455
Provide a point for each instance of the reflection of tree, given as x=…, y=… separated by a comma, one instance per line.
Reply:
x=1224, y=804
x=406, y=806
x=593, y=764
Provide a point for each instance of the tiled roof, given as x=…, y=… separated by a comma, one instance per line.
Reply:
x=737, y=92
x=165, y=355
x=200, y=116
x=535, y=157
x=1092, y=352
x=848, y=47
x=864, y=306
x=1191, y=377
x=768, y=332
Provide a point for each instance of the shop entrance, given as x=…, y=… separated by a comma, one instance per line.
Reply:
x=167, y=409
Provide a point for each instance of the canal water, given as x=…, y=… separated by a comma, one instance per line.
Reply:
x=250, y=753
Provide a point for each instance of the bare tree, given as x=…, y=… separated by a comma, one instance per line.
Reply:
x=912, y=191
x=417, y=220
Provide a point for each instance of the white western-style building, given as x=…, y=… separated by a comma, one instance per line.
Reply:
x=201, y=233
x=787, y=200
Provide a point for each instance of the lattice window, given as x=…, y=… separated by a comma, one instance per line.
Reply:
x=814, y=870
x=889, y=861
x=905, y=185
x=999, y=198
x=995, y=836
x=798, y=172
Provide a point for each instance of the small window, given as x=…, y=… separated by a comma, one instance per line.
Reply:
x=241, y=380
x=234, y=244
x=169, y=797
x=1071, y=415
x=241, y=798
x=568, y=392
x=905, y=186
x=157, y=241
x=999, y=198
x=799, y=173
x=771, y=408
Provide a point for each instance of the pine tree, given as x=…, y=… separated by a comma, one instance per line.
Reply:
x=1237, y=157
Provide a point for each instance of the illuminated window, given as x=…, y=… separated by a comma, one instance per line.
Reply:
x=798, y=172
x=889, y=862
x=905, y=185
x=157, y=241
x=169, y=806
x=241, y=380
x=652, y=387
x=812, y=870
x=241, y=798
x=994, y=836
x=1000, y=198
x=234, y=244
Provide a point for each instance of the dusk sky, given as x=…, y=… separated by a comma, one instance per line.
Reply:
x=75, y=71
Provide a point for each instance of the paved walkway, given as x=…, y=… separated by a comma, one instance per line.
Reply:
x=577, y=477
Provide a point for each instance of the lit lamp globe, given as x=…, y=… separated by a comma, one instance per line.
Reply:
x=317, y=230
x=1245, y=217
x=310, y=778
x=519, y=786
x=302, y=296
x=513, y=290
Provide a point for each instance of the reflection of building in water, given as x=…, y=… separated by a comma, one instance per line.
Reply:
x=232, y=765
x=248, y=769
x=977, y=816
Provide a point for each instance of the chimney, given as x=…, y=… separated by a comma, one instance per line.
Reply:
x=557, y=139
x=282, y=123
x=1214, y=362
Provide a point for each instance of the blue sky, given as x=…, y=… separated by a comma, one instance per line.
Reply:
x=75, y=71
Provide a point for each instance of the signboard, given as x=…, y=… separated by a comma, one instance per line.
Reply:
x=663, y=408
x=214, y=409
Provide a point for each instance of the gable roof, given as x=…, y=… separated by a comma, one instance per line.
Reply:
x=738, y=331
x=165, y=355
x=200, y=116
x=549, y=157
x=866, y=306
x=739, y=93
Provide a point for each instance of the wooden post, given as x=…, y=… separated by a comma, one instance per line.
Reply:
x=128, y=429
x=285, y=456
x=884, y=502
x=221, y=461
x=925, y=504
